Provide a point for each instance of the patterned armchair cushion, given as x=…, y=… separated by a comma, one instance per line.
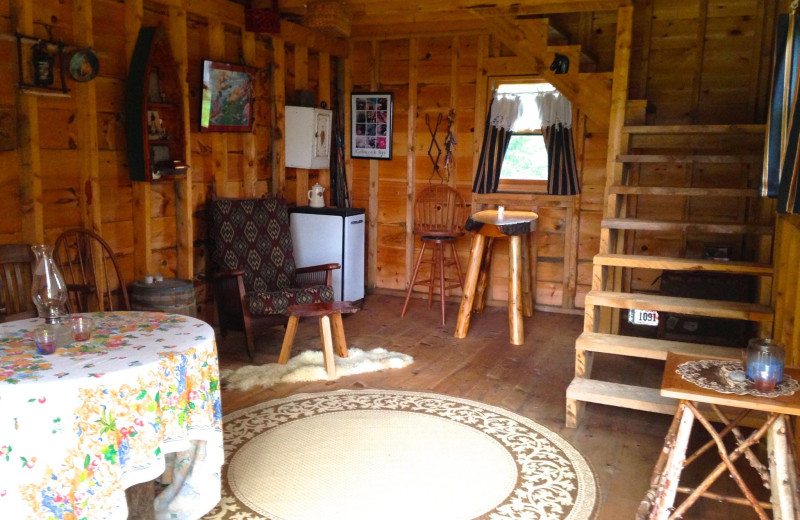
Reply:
x=253, y=235
x=277, y=302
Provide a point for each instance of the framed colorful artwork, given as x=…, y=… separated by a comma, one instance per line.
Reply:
x=227, y=104
x=371, y=125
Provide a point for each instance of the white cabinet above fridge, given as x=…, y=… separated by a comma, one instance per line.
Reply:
x=308, y=137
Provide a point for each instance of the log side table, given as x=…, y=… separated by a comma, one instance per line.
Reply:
x=779, y=474
x=329, y=313
x=486, y=226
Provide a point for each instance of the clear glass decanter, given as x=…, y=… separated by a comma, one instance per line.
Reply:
x=49, y=294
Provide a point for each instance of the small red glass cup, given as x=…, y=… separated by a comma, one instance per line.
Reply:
x=45, y=339
x=766, y=376
x=82, y=327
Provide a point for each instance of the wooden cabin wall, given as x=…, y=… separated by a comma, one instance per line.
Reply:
x=786, y=288
x=68, y=167
x=694, y=62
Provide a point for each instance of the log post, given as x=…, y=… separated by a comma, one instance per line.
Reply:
x=338, y=335
x=327, y=345
x=515, y=303
x=676, y=447
x=783, y=476
x=278, y=117
x=527, y=295
x=288, y=339
x=140, y=499
x=483, y=277
x=468, y=296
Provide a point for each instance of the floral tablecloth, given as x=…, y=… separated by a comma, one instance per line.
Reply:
x=80, y=426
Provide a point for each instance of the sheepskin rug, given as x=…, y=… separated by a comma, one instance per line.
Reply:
x=310, y=366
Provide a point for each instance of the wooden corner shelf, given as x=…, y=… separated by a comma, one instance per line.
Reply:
x=154, y=111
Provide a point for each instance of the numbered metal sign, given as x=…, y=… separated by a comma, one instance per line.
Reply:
x=639, y=317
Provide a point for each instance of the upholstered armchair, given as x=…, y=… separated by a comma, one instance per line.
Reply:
x=253, y=268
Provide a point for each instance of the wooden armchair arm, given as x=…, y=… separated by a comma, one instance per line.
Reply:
x=314, y=268
x=228, y=274
x=316, y=274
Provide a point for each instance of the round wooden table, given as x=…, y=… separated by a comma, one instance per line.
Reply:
x=487, y=224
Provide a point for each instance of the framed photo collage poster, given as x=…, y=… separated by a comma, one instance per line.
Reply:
x=371, y=125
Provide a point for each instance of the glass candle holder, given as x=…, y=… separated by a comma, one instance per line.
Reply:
x=764, y=363
x=82, y=327
x=45, y=338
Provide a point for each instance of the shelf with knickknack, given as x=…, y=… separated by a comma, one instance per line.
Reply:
x=154, y=109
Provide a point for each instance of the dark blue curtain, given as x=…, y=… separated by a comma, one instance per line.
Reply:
x=562, y=174
x=781, y=161
x=495, y=144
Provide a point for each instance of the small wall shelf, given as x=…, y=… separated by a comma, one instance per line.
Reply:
x=154, y=110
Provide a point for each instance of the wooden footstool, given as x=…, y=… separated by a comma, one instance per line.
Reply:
x=328, y=313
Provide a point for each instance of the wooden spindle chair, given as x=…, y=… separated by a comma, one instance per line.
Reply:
x=439, y=217
x=90, y=270
x=16, y=274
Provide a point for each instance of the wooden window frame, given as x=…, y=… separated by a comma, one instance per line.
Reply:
x=517, y=185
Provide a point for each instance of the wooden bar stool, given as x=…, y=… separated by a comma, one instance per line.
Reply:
x=779, y=474
x=439, y=215
x=486, y=226
x=329, y=314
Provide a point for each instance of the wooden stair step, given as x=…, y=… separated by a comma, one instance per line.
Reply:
x=670, y=159
x=693, y=306
x=696, y=227
x=642, y=398
x=694, y=129
x=684, y=264
x=681, y=191
x=647, y=347
x=618, y=394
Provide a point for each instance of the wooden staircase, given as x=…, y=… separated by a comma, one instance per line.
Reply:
x=717, y=203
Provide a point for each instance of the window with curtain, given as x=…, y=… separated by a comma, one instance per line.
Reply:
x=525, y=163
x=527, y=142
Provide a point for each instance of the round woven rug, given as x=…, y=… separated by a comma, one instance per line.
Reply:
x=381, y=454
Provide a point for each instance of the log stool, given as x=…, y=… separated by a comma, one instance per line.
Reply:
x=779, y=474
x=516, y=226
x=329, y=313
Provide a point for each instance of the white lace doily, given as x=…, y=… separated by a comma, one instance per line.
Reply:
x=714, y=375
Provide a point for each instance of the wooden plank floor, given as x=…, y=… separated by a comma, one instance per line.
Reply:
x=621, y=445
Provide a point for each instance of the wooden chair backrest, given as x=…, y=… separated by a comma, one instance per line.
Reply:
x=90, y=270
x=16, y=273
x=440, y=211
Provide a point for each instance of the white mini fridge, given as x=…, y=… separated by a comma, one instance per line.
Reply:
x=332, y=235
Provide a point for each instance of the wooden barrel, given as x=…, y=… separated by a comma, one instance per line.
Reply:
x=169, y=295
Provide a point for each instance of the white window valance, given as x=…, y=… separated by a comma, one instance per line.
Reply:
x=554, y=109
x=506, y=109
x=530, y=110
